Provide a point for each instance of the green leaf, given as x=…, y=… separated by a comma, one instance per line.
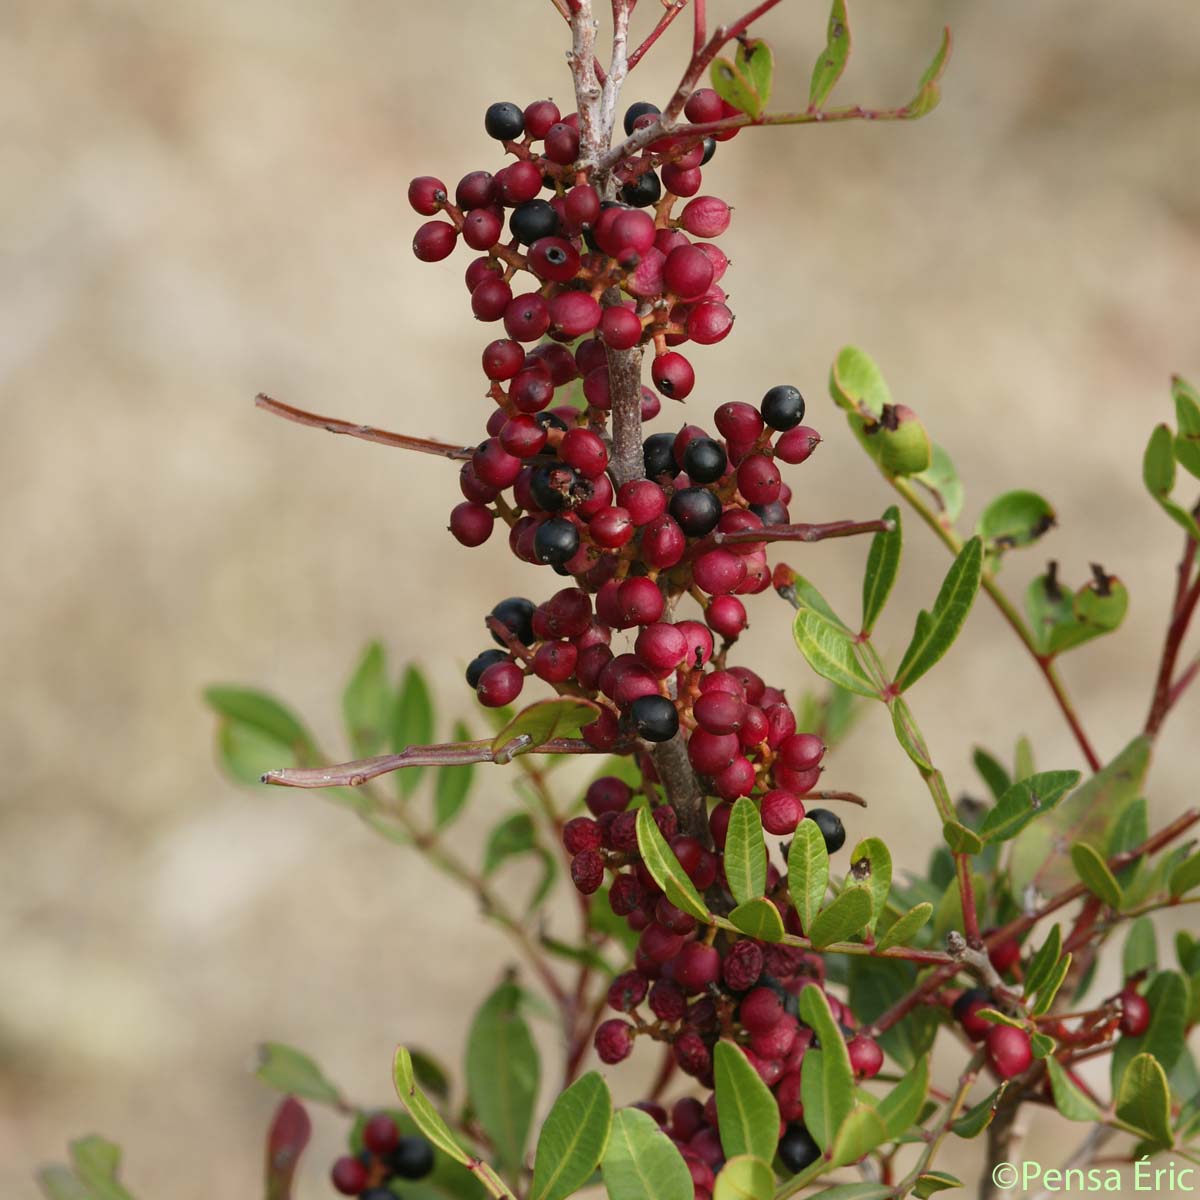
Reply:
x=808, y=597
x=831, y=62
x=412, y=724
x=427, y=1118
x=1040, y=853
x=900, y=932
x=830, y=654
x=808, y=872
x=928, y=91
x=1043, y=962
x=1094, y=872
x=941, y=480
x=875, y=984
x=539, y=723
x=1141, y=948
x=883, y=562
x=858, y=1134
x=642, y=1161
x=1144, y=1099
x=294, y=1073
x=936, y=630
x=975, y=1120
x=871, y=867
x=246, y=753
x=1185, y=877
x=1166, y=1035
x=852, y=1191
x=901, y=1107
x=61, y=1183
x=503, y=1073
x=1048, y=990
x=1025, y=800
x=847, y=915
x=1072, y=1102
x=452, y=785
x=514, y=835
x=745, y=1178
x=263, y=713
x=1014, y=519
x=857, y=384
x=1097, y=608
x=758, y=919
x=745, y=852
x=929, y=1182
x=960, y=839
x=430, y=1073
x=756, y=62
x=1043, y=1044
x=1050, y=609
x=572, y=1141
x=826, y=1080
x=1158, y=472
x=908, y=734
x=992, y=773
x=734, y=88
x=96, y=1163
x=367, y=703
x=748, y=1117
x=661, y=862
x=1187, y=413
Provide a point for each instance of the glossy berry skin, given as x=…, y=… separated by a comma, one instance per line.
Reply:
x=412, y=1158
x=481, y=662
x=643, y=191
x=349, y=1176
x=831, y=827
x=696, y=510
x=672, y=375
x=866, y=1058
x=539, y=116
x=704, y=460
x=1009, y=1051
x=654, y=718
x=797, y=1149
x=966, y=1012
x=471, y=524
x=533, y=220
x=639, y=108
x=380, y=1134
x=696, y=966
x=516, y=615
x=555, y=541
x=426, y=195
x=500, y=684
x=504, y=121
x=783, y=407
x=762, y=1009
x=434, y=241
x=1135, y=1013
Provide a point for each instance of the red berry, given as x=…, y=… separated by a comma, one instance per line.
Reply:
x=627, y=991
x=611, y=528
x=539, y=117
x=687, y=272
x=966, y=1011
x=572, y=314
x=802, y=751
x=471, y=524
x=581, y=833
x=426, y=194
x=582, y=204
x=711, y=753
x=644, y=500
x=692, y=1055
x=640, y=601
x=758, y=479
x=1135, y=1013
x=583, y=450
x=663, y=543
x=704, y=106
x=562, y=147
x=475, y=190
x=667, y=1001
x=587, y=871
x=866, y=1058
x=781, y=812
x=700, y=643
x=500, y=684
x=519, y=182
x=620, y=327
x=761, y=1010
x=718, y=571
x=349, y=1176
x=797, y=444
x=742, y=966
x=434, y=241
x=718, y=824
x=697, y=966
x=555, y=661
x=726, y=615
x=681, y=181
x=526, y=317
x=1005, y=956
x=687, y=1117
x=705, y=216
x=719, y=712
x=614, y=1041
x=1009, y=1050
x=738, y=421
x=737, y=779
x=380, y=1134
x=553, y=258
x=502, y=359
x=490, y=299
x=482, y=228
x=673, y=375
x=661, y=647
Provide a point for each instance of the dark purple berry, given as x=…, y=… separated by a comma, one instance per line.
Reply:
x=504, y=121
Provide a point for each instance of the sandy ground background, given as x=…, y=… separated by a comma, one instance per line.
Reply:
x=205, y=200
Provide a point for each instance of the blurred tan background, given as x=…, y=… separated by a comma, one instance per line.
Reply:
x=200, y=201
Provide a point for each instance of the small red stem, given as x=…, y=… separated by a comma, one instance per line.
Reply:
x=664, y=23
x=1187, y=596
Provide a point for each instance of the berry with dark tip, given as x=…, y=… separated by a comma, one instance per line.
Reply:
x=696, y=510
x=966, y=1012
x=797, y=1149
x=673, y=375
x=614, y=1041
x=704, y=460
x=783, y=407
x=639, y=109
x=481, y=662
x=412, y=1158
x=500, y=684
x=831, y=827
x=504, y=121
x=654, y=718
x=426, y=194
x=1009, y=1050
x=349, y=1176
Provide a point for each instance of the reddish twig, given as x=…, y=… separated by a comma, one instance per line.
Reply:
x=1187, y=596
x=699, y=26
x=366, y=432
x=787, y=533
x=664, y=23
x=845, y=797
x=447, y=754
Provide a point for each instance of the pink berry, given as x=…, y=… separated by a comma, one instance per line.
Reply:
x=661, y=647
x=866, y=1058
x=797, y=444
x=1009, y=1051
x=663, y=543
x=697, y=966
x=705, y=216
x=761, y=1010
x=700, y=643
x=802, y=751
x=737, y=779
x=582, y=204
x=571, y=313
x=687, y=272
x=704, y=106
x=620, y=327
x=640, y=601
x=711, y=753
x=726, y=615
x=583, y=450
x=555, y=661
x=643, y=499
x=781, y=812
x=502, y=359
x=718, y=824
x=614, y=1041
x=718, y=571
x=553, y=259
x=427, y=195
x=719, y=712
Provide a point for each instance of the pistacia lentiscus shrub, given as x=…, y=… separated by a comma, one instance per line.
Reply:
x=790, y=986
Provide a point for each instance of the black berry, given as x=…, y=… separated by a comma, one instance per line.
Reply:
x=775, y=513
x=710, y=148
x=654, y=718
x=704, y=460
x=504, y=121
x=797, y=1149
x=696, y=509
x=658, y=453
x=412, y=1158
x=533, y=220
x=480, y=663
x=556, y=541
x=643, y=191
x=516, y=614
x=783, y=407
x=639, y=109
x=831, y=827
x=551, y=485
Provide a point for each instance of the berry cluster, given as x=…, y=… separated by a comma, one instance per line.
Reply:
x=386, y=1157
